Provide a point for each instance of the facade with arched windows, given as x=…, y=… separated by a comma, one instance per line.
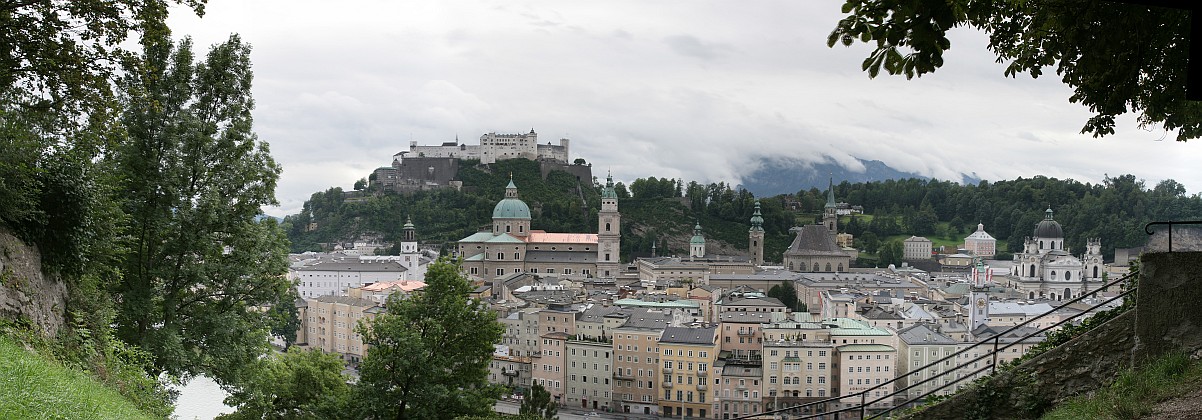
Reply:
x=1046, y=269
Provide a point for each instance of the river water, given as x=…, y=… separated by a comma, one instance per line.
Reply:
x=201, y=399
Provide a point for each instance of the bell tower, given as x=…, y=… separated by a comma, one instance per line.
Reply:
x=609, y=228
x=755, y=236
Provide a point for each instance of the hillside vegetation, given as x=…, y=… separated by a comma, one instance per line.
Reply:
x=34, y=387
x=663, y=211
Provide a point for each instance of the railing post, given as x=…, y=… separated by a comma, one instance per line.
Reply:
x=996, y=339
x=863, y=395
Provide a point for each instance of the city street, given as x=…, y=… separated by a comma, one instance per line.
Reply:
x=511, y=407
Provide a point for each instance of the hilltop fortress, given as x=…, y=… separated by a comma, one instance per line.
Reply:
x=433, y=167
x=493, y=147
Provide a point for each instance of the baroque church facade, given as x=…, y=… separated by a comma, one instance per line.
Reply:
x=1046, y=269
x=511, y=247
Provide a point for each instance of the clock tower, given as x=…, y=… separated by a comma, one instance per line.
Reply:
x=609, y=238
x=978, y=307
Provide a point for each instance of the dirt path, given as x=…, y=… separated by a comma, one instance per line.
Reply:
x=1187, y=406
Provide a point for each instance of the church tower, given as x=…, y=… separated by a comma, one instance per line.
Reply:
x=755, y=236
x=829, y=216
x=408, y=237
x=978, y=307
x=609, y=227
x=697, y=243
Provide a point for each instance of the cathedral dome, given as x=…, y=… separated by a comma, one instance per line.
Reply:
x=511, y=208
x=1048, y=228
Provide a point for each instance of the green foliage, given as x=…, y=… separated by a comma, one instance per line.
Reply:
x=1115, y=57
x=429, y=353
x=787, y=294
x=193, y=178
x=1134, y=391
x=297, y=384
x=33, y=387
x=891, y=253
x=538, y=404
x=285, y=321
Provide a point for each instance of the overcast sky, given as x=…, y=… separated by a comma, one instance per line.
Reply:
x=697, y=90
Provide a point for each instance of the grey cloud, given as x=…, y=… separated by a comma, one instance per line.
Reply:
x=690, y=46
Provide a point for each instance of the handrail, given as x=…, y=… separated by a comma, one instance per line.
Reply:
x=992, y=365
x=1148, y=228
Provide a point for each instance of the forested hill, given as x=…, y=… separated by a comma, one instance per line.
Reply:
x=558, y=204
x=663, y=211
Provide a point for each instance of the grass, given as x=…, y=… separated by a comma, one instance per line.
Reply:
x=32, y=387
x=1135, y=392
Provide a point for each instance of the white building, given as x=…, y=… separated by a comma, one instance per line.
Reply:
x=917, y=248
x=1045, y=268
x=494, y=147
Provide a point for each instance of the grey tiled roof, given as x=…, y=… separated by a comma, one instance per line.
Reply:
x=814, y=240
x=681, y=335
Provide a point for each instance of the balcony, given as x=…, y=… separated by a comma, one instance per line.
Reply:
x=623, y=376
x=747, y=332
x=667, y=384
x=703, y=373
x=667, y=370
x=701, y=387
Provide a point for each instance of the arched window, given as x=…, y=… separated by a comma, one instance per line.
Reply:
x=1031, y=295
x=607, y=226
x=1040, y=244
x=1053, y=274
x=840, y=267
x=1068, y=294
x=1068, y=275
x=828, y=267
x=1032, y=273
x=817, y=268
x=1095, y=271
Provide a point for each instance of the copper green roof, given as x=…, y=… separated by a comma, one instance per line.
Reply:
x=830, y=194
x=478, y=237
x=505, y=238
x=608, y=191
x=757, y=220
x=697, y=238
x=866, y=347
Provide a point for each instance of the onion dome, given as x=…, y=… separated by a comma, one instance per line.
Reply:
x=757, y=221
x=511, y=207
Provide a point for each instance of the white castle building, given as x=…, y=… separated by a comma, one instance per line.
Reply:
x=1045, y=268
x=493, y=147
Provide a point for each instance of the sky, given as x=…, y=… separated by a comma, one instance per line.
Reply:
x=699, y=90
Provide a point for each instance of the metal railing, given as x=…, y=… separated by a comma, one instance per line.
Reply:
x=997, y=347
x=1148, y=228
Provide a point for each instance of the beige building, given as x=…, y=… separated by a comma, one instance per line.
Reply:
x=737, y=387
x=329, y=324
x=687, y=356
x=916, y=248
x=921, y=345
x=547, y=365
x=636, y=362
x=865, y=366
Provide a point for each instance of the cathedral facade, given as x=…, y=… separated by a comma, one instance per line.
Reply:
x=1046, y=269
x=510, y=246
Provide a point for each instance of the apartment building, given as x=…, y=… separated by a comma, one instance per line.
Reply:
x=636, y=361
x=686, y=356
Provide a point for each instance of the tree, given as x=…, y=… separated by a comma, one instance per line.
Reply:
x=787, y=294
x=579, y=161
x=194, y=177
x=1115, y=57
x=285, y=320
x=429, y=352
x=891, y=253
x=297, y=384
x=538, y=404
x=361, y=184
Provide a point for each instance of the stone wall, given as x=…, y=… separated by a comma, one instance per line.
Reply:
x=26, y=294
x=1169, y=303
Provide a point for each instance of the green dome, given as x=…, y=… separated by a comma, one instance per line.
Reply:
x=511, y=208
x=697, y=238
